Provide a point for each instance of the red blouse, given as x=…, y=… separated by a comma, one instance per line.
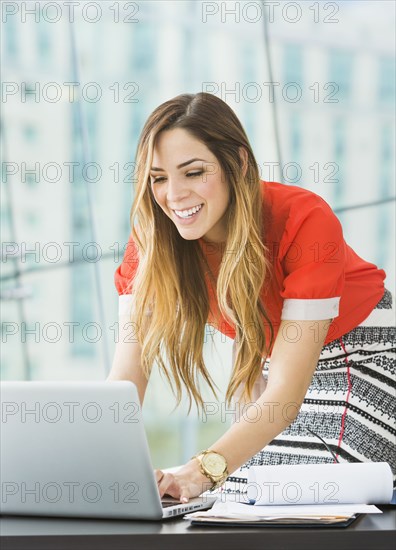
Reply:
x=316, y=274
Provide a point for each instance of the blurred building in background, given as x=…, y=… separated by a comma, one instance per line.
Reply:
x=314, y=90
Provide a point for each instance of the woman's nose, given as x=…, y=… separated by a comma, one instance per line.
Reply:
x=176, y=190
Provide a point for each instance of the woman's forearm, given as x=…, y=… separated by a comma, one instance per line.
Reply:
x=259, y=424
x=293, y=364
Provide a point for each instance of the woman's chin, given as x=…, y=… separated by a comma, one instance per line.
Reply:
x=189, y=235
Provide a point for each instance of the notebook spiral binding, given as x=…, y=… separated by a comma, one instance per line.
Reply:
x=234, y=484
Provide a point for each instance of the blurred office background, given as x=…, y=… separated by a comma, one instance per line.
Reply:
x=68, y=152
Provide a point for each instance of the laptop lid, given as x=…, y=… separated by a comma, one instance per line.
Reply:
x=76, y=448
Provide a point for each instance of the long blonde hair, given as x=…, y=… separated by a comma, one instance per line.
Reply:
x=170, y=297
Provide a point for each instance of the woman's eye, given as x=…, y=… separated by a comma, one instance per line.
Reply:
x=189, y=175
x=157, y=179
x=193, y=174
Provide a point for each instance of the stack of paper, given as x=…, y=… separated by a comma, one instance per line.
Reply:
x=302, y=494
x=237, y=512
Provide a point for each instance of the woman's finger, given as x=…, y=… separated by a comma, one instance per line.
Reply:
x=168, y=485
x=159, y=474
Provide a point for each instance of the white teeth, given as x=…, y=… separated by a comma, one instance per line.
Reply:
x=187, y=213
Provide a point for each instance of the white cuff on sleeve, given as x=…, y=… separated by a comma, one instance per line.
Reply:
x=310, y=309
x=124, y=304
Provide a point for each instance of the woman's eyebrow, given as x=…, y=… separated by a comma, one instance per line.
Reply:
x=155, y=169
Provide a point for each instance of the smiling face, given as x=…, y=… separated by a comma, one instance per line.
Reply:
x=189, y=185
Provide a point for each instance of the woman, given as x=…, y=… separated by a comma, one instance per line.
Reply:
x=266, y=264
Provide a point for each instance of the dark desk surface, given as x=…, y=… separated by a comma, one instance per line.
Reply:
x=371, y=531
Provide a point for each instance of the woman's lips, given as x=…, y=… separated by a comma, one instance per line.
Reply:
x=190, y=219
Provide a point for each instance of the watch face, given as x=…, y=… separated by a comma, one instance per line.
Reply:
x=214, y=463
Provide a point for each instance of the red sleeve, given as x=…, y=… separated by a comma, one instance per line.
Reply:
x=125, y=274
x=312, y=252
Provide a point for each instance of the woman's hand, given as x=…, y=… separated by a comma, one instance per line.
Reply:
x=185, y=483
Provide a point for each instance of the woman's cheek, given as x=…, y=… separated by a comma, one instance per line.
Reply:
x=208, y=189
x=159, y=196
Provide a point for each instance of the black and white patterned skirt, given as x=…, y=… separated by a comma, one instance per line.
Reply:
x=351, y=402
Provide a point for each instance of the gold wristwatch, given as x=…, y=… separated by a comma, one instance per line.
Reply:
x=213, y=466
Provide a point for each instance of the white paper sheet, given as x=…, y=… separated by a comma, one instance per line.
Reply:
x=324, y=484
x=236, y=510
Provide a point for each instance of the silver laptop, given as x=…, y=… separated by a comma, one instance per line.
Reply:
x=79, y=449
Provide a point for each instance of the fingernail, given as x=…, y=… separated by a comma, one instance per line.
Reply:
x=184, y=499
